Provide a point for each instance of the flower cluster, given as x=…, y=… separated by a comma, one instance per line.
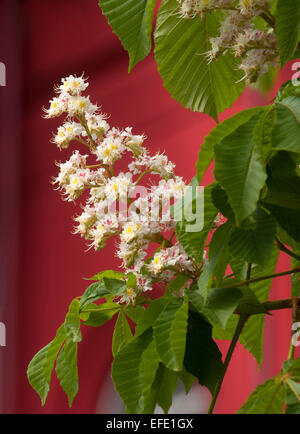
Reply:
x=115, y=203
x=256, y=49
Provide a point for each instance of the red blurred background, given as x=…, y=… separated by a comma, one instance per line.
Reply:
x=42, y=263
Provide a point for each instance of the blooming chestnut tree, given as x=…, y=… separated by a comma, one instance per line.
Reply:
x=213, y=250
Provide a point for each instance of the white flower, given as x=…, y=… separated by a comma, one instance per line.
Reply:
x=79, y=105
x=119, y=186
x=110, y=150
x=130, y=231
x=133, y=142
x=67, y=132
x=85, y=221
x=171, y=257
x=72, y=85
x=97, y=124
x=159, y=163
x=57, y=107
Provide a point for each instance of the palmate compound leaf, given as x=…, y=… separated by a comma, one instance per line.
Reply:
x=41, y=366
x=240, y=169
x=180, y=47
x=131, y=20
x=219, y=133
x=287, y=28
x=66, y=369
x=169, y=332
x=268, y=398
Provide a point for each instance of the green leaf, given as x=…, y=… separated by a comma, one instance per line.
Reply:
x=287, y=89
x=131, y=280
x=107, y=273
x=286, y=130
x=283, y=182
x=131, y=20
x=177, y=283
x=253, y=332
x=169, y=331
x=288, y=219
x=199, y=303
x=206, y=279
x=66, y=370
x=249, y=303
x=134, y=312
x=292, y=368
x=165, y=384
x=287, y=28
x=40, y=368
x=224, y=302
x=292, y=397
x=72, y=322
x=126, y=371
x=203, y=358
x=100, y=314
x=240, y=169
x=218, y=249
x=187, y=379
x=150, y=315
x=148, y=370
x=180, y=46
x=268, y=398
x=295, y=279
x=114, y=286
x=94, y=292
x=254, y=245
x=253, y=335
x=220, y=200
x=218, y=134
x=193, y=242
x=263, y=132
x=122, y=334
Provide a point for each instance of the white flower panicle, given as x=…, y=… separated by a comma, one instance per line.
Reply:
x=256, y=50
x=116, y=204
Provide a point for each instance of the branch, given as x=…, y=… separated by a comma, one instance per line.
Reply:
x=239, y=328
x=259, y=279
x=295, y=310
x=284, y=249
x=281, y=304
x=269, y=19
